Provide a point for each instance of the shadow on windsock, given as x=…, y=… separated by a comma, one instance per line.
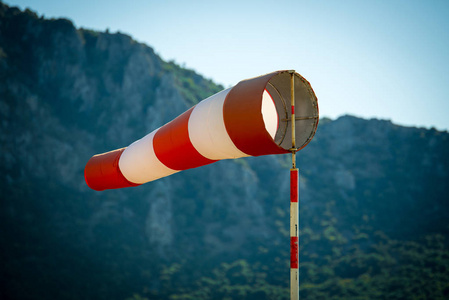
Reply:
x=250, y=119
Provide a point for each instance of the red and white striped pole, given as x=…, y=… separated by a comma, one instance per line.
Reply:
x=294, y=193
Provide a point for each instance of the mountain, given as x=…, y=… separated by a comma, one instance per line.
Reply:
x=373, y=195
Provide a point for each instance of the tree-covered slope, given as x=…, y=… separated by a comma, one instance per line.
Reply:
x=373, y=209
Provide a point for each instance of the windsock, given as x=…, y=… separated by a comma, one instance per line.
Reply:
x=250, y=119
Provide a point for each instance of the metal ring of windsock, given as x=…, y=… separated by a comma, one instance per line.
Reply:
x=250, y=119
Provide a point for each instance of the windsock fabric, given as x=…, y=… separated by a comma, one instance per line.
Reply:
x=236, y=122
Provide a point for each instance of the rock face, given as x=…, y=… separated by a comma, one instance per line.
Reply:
x=67, y=93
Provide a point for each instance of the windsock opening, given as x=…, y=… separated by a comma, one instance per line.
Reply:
x=306, y=110
x=269, y=114
x=257, y=114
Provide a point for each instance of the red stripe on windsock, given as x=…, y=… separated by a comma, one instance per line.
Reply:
x=294, y=185
x=242, y=114
x=102, y=172
x=173, y=147
x=294, y=252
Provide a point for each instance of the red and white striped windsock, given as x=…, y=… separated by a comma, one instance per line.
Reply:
x=250, y=119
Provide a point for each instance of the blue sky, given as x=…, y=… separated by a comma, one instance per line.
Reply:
x=373, y=59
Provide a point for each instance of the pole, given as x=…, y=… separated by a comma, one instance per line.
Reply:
x=294, y=193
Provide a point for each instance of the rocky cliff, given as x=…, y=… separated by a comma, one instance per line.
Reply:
x=368, y=187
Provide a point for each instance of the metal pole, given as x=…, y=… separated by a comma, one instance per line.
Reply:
x=294, y=193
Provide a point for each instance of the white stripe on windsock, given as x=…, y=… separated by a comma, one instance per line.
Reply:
x=207, y=130
x=139, y=163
